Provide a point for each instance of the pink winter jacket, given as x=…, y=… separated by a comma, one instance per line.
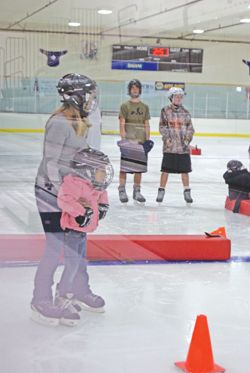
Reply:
x=73, y=188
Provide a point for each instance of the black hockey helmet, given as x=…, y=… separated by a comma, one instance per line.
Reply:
x=79, y=91
x=86, y=163
x=234, y=165
x=134, y=82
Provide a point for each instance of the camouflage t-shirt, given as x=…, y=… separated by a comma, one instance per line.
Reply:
x=176, y=129
x=135, y=115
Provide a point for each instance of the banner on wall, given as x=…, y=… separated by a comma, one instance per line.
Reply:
x=165, y=86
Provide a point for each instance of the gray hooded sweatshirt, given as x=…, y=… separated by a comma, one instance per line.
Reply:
x=59, y=147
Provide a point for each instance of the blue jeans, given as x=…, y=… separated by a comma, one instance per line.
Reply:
x=74, y=278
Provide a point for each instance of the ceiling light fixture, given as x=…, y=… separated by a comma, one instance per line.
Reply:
x=104, y=11
x=74, y=24
x=245, y=20
x=198, y=31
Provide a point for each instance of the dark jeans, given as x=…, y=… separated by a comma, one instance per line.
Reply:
x=74, y=278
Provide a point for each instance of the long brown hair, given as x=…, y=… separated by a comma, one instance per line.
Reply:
x=80, y=125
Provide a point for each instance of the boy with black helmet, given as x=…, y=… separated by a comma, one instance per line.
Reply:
x=237, y=177
x=134, y=126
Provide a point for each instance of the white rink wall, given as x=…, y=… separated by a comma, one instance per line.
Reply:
x=28, y=122
x=202, y=126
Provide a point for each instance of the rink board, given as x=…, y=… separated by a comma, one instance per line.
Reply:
x=128, y=248
x=244, y=206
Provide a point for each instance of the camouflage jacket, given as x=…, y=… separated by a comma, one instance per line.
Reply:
x=176, y=129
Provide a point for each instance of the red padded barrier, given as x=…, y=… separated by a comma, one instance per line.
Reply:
x=244, y=206
x=229, y=204
x=22, y=248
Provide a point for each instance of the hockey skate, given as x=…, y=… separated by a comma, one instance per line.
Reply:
x=90, y=302
x=69, y=312
x=187, y=196
x=46, y=313
x=160, y=195
x=123, y=195
x=138, y=197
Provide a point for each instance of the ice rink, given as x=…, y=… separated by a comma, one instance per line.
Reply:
x=151, y=309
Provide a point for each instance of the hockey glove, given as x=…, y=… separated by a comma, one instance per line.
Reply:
x=103, y=209
x=147, y=146
x=84, y=220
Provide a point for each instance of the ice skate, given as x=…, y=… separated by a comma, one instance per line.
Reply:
x=90, y=302
x=187, y=196
x=123, y=195
x=69, y=313
x=45, y=313
x=160, y=195
x=138, y=197
x=57, y=295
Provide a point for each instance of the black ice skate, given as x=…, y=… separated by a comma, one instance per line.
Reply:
x=160, y=195
x=137, y=196
x=122, y=194
x=187, y=196
x=90, y=302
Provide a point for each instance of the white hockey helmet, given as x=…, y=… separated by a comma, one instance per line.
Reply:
x=173, y=91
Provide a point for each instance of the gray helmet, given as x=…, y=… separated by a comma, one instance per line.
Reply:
x=79, y=91
x=87, y=161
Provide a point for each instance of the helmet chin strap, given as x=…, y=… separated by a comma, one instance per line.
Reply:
x=78, y=105
x=175, y=105
x=83, y=113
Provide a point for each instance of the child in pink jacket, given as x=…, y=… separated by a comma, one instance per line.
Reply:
x=82, y=205
x=83, y=199
x=82, y=195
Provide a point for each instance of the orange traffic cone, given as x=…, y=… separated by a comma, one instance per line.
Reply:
x=200, y=355
x=221, y=231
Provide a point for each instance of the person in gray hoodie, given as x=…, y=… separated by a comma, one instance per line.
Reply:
x=65, y=134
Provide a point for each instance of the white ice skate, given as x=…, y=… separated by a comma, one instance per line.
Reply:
x=187, y=197
x=138, y=197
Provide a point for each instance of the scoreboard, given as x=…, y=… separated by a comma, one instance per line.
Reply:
x=156, y=58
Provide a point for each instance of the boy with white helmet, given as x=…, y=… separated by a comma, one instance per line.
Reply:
x=177, y=132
